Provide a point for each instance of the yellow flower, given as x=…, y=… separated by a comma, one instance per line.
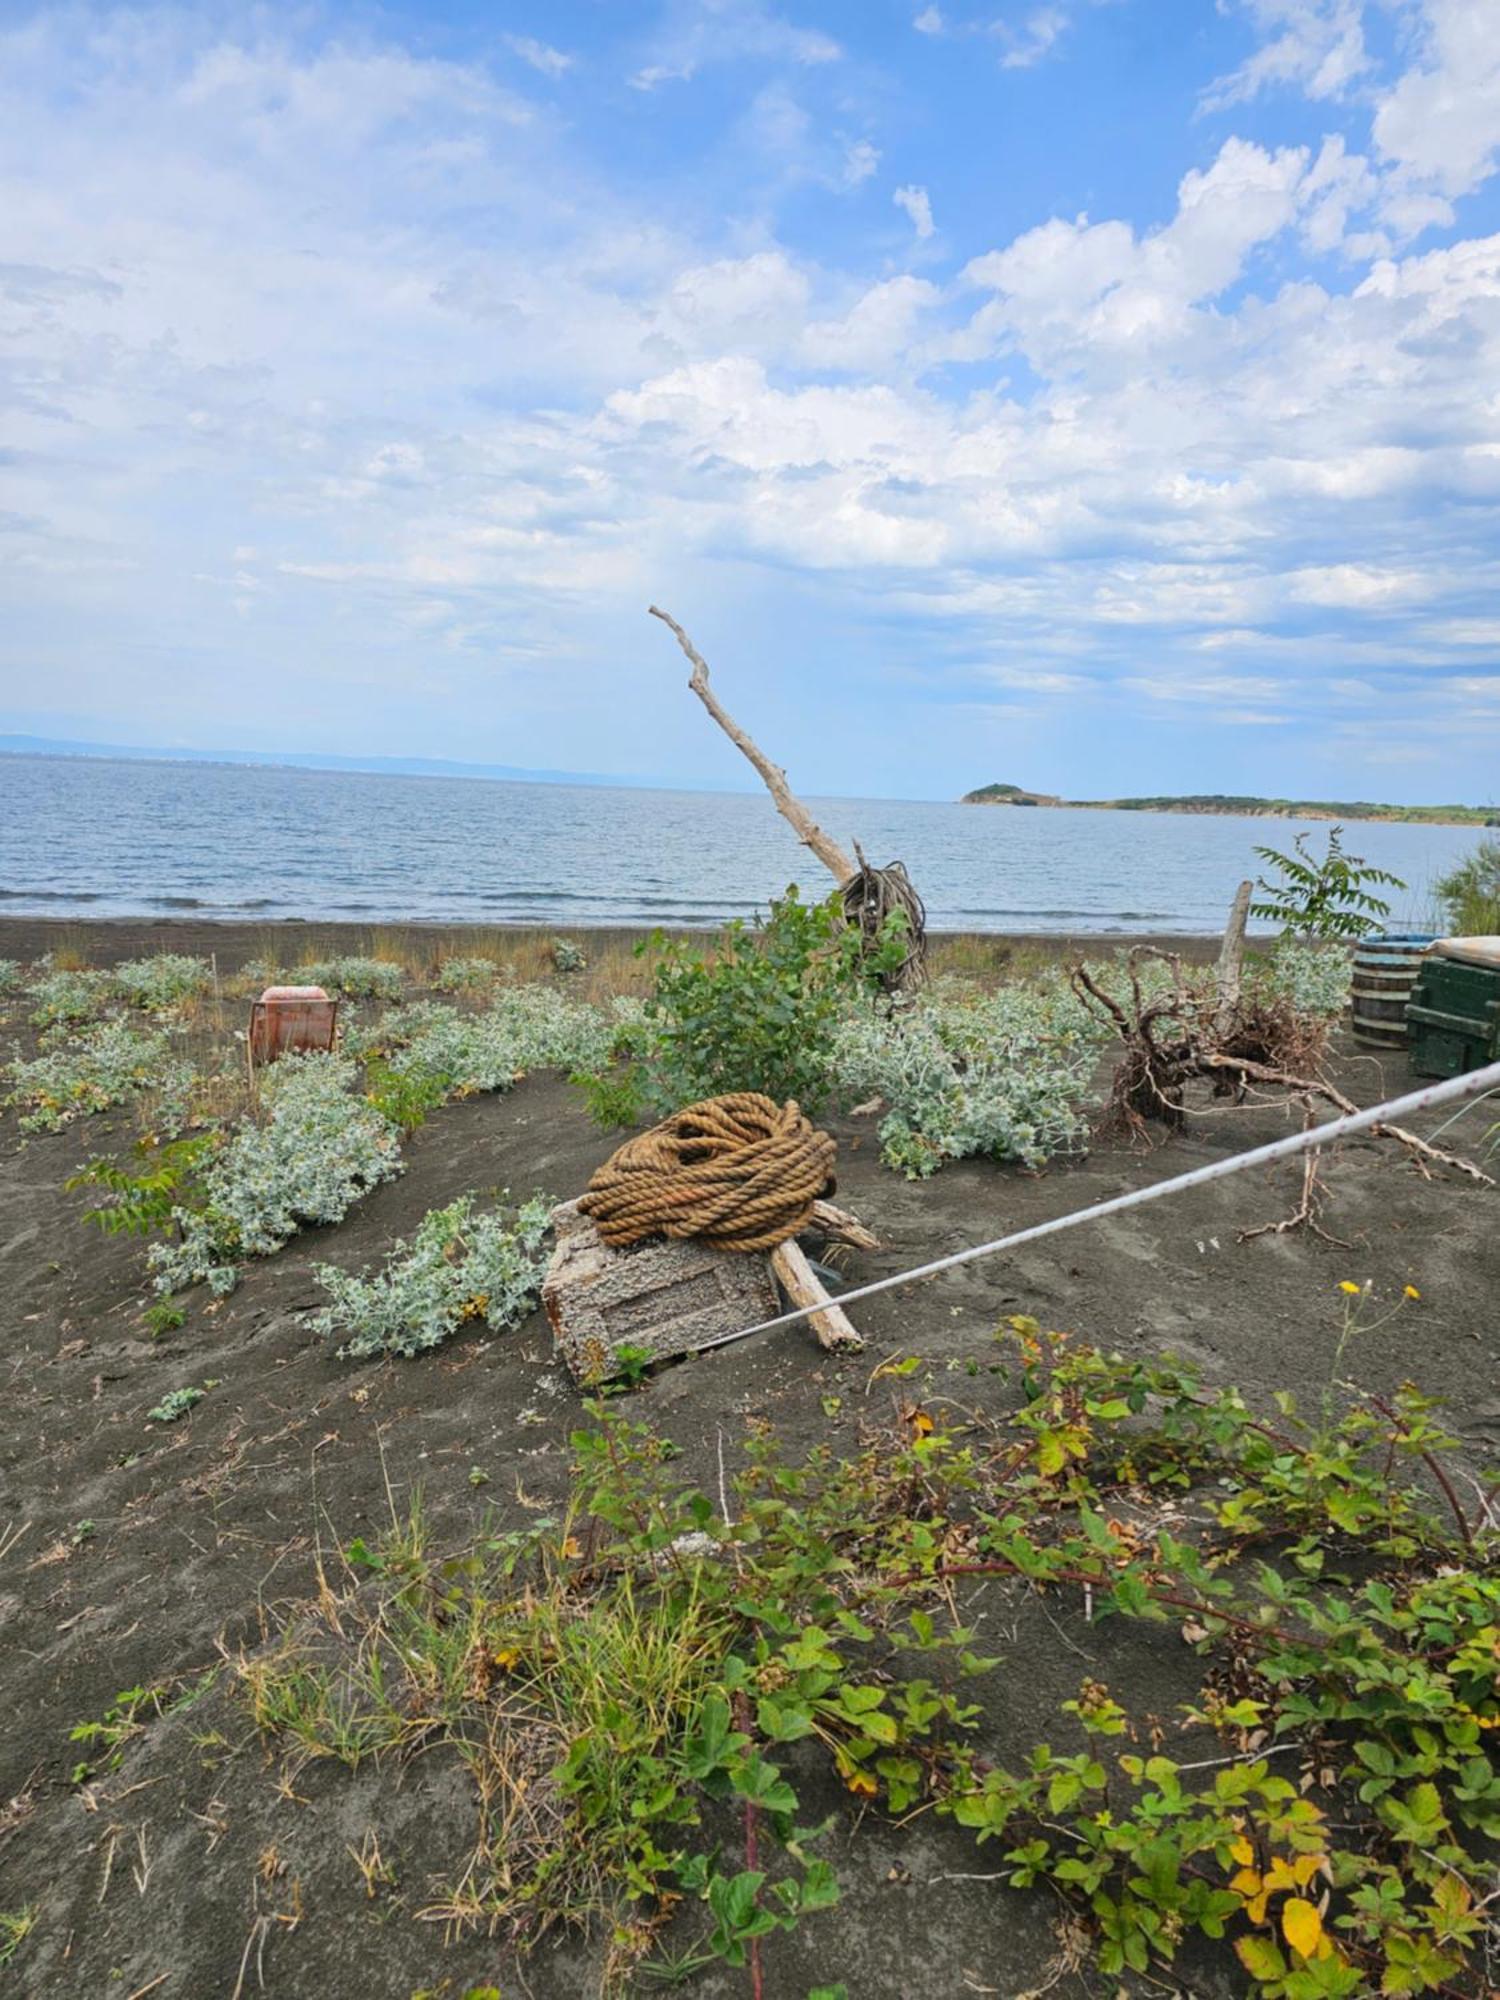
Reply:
x=1410, y=1292
x=1348, y=1285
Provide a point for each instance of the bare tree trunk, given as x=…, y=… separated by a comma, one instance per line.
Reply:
x=1232, y=958
x=791, y=808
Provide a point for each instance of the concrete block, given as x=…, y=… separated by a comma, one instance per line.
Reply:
x=668, y=1298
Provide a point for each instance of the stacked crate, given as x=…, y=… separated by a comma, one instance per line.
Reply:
x=1453, y=1018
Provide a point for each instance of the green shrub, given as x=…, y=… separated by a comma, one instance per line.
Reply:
x=405, y=1096
x=1314, y=977
x=458, y=1266
x=1470, y=892
x=761, y=1013
x=568, y=956
x=10, y=975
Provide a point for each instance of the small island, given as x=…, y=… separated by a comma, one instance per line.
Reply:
x=1248, y=807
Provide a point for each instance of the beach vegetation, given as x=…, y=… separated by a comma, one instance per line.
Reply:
x=10, y=974
x=354, y=978
x=1326, y=896
x=466, y=975
x=568, y=956
x=320, y=1147
x=106, y=1064
x=1470, y=892
x=175, y=1405
x=460, y=1265
x=67, y=998
x=1312, y=976
x=163, y=981
x=15, y=1927
x=1004, y=1076
x=623, y=1679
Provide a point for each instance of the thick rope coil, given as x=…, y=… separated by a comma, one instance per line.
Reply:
x=740, y=1172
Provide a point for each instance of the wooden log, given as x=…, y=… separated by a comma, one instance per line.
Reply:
x=841, y=1227
x=800, y=1283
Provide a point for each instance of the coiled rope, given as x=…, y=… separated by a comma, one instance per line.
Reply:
x=741, y=1172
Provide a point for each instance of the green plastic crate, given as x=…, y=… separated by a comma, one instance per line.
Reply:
x=1453, y=1020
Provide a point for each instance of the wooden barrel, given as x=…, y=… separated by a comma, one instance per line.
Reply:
x=1385, y=971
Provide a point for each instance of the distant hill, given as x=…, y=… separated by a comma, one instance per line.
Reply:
x=312, y=760
x=1254, y=808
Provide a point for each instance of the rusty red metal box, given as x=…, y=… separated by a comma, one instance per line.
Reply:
x=291, y=1018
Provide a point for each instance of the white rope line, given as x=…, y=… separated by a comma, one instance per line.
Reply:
x=1455, y=1089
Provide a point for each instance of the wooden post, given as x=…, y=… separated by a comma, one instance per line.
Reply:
x=1232, y=959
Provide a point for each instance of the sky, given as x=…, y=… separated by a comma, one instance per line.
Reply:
x=1097, y=395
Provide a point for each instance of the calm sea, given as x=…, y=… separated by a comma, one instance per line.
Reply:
x=91, y=837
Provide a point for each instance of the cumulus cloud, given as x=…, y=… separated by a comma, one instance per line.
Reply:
x=916, y=205
x=1316, y=45
x=347, y=349
x=546, y=61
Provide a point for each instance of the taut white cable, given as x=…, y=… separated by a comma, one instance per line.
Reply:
x=1452, y=1090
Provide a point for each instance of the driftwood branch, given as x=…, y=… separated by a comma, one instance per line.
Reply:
x=791, y=808
x=841, y=1227
x=799, y=1281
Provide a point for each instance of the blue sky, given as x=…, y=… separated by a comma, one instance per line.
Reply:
x=1102, y=395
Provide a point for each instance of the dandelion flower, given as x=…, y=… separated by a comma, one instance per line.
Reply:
x=1348, y=1285
x=1410, y=1292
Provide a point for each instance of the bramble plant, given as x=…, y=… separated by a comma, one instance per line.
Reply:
x=459, y=1266
x=1326, y=896
x=175, y=1404
x=1329, y=1820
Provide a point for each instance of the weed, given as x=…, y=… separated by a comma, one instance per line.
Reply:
x=614, y=1097
x=568, y=956
x=760, y=1014
x=165, y=1316
x=356, y=978
x=404, y=1096
x=65, y=999
x=15, y=1927
x=616, y=1680
x=176, y=1403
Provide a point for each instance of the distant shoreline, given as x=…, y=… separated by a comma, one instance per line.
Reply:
x=1205, y=805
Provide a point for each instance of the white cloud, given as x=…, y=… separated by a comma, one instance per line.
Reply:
x=1440, y=126
x=702, y=33
x=1317, y=45
x=546, y=61
x=929, y=21
x=861, y=159
x=1033, y=40
x=917, y=206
